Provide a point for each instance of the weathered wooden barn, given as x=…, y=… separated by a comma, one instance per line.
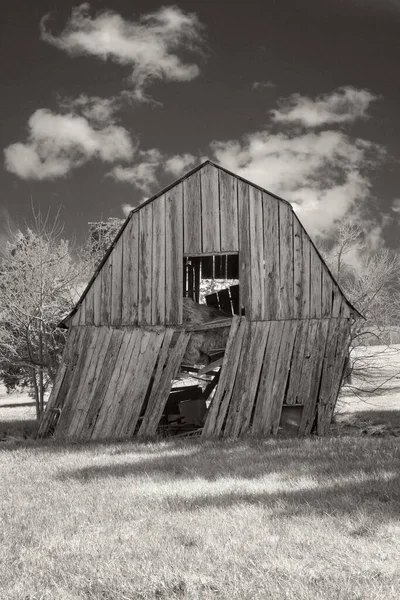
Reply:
x=271, y=357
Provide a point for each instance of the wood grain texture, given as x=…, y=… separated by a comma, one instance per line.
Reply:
x=169, y=361
x=210, y=212
x=271, y=256
x=256, y=225
x=332, y=377
x=130, y=274
x=219, y=406
x=116, y=284
x=145, y=264
x=298, y=269
x=106, y=291
x=244, y=249
x=315, y=284
x=89, y=306
x=158, y=268
x=286, y=295
x=192, y=214
x=306, y=275
x=327, y=293
x=229, y=212
x=311, y=375
x=297, y=362
x=96, y=287
x=174, y=256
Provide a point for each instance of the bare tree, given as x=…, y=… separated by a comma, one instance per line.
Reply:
x=39, y=283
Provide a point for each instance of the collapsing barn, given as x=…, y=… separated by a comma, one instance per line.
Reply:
x=265, y=353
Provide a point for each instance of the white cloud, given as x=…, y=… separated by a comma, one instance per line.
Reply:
x=149, y=46
x=142, y=175
x=344, y=105
x=179, y=164
x=324, y=174
x=396, y=205
x=126, y=209
x=59, y=143
x=100, y=111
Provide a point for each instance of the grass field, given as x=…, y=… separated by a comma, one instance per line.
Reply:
x=280, y=519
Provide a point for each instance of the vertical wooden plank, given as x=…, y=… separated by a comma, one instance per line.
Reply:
x=337, y=301
x=297, y=363
x=229, y=212
x=116, y=284
x=158, y=257
x=168, y=365
x=106, y=291
x=311, y=375
x=102, y=427
x=315, y=284
x=286, y=296
x=256, y=254
x=192, y=214
x=210, y=213
x=264, y=400
x=146, y=364
x=145, y=264
x=306, y=275
x=244, y=249
x=94, y=402
x=174, y=255
x=220, y=403
x=97, y=300
x=331, y=383
x=298, y=266
x=76, y=317
x=326, y=300
x=89, y=306
x=247, y=378
x=271, y=257
x=130, y=274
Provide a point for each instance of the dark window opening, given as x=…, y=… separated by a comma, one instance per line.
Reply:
x=213, y=280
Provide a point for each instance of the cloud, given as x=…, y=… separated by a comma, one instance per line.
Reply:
x=59, y=143
x=142, y=175
x=150, y=46
x=396, y=205
x=259, y=85
x=179, y=164
x=344, y=105
x=100, y=111
x=126, y=209
x=324, y=174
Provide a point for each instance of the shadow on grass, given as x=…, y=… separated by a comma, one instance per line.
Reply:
x=372, y=422
x=18, y=429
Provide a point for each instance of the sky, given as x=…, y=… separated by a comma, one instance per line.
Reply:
x=103, y=104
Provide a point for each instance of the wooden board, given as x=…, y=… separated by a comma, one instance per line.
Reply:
x=327, y=293
x=306, y=275
x=247, y=379
x=116, y=284
x=315, y=284
x=169, y=361
x=145, y=264
x=158, y=268
x=332, y=375
x=286, y=295
x=271, y=257
x=130, y=274
x=106, y=291
x=311, y=374
x=298, y=268
x=96, y=287
x=192, y=214
x=229, y=212
x=219, y=406
x=244, y=249
x=256, y=253
x=89, y=306
x=297, y=362
x=210, y=213
x=174, y=256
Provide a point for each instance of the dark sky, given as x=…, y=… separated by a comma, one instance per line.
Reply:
x=311, y=47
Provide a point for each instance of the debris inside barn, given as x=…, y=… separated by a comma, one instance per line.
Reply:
x=151, y=350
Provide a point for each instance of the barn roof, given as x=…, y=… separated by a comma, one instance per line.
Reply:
x=63, y=323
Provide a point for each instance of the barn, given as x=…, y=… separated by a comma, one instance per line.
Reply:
x=215, y=284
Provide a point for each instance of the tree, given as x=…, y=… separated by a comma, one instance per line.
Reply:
x=39, y=283
x=101, y=236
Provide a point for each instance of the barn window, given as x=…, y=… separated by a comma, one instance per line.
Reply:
x=213, y=280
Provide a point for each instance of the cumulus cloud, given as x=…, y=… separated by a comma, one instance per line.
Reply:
x=344, y=105
x=324, y=174
x=179, y=164
x=142, y=175
x=59, y=143
x=100, y=111
x=149, y=46
x=396, y=205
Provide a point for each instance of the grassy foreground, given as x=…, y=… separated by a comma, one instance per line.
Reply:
x=293, y=519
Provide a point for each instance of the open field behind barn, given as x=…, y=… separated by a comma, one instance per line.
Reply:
x=294, y=519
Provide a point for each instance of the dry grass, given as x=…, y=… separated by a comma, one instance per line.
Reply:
x=314, y=519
